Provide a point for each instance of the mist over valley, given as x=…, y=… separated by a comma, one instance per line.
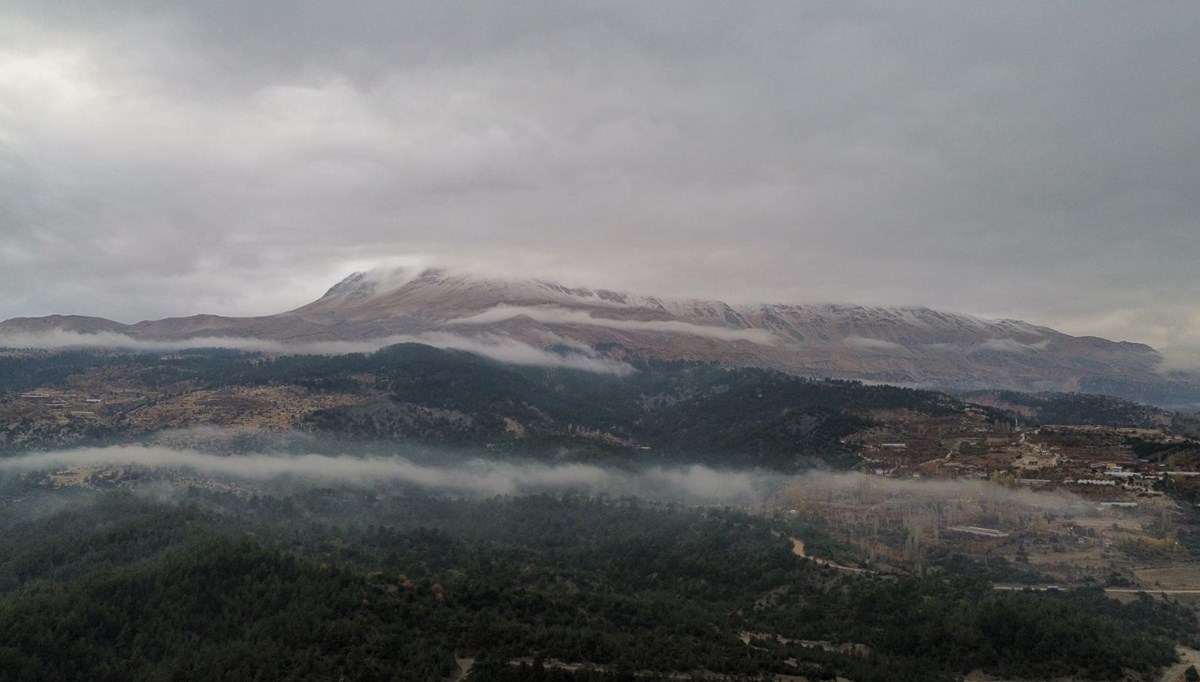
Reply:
x=599, y=341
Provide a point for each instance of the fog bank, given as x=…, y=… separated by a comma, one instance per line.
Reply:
x=475, y=476
x=556, y=315
x=494, y=347
x=472, y=476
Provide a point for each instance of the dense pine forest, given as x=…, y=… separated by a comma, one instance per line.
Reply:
x=324, y=583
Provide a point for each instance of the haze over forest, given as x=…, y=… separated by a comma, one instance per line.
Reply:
x=599, y=341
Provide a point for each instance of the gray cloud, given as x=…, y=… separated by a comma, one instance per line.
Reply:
x=885, y=491
x=693, y=483
x=878, y=345
x=476, y=476
x=499, y=348
x=1032, y=160
x=1011, y=345
x=555, y=315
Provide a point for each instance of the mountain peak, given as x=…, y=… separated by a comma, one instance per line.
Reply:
x=376, y=281
x=915, y=346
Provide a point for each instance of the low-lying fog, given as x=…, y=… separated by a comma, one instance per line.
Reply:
x=488, y=477
x=471, y=476
x=496, y=347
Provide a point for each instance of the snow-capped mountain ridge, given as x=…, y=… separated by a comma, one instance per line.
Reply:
x=917, y=346
x=361, y=286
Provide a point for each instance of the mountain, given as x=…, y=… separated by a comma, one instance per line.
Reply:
x=909, y=346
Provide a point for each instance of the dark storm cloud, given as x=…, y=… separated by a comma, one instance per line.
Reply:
x=1033, y=160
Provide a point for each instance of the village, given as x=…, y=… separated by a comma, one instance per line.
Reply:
x=1108, y=464
x=1071, y=505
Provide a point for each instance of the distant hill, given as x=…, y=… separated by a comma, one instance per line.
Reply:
x=665, y=412
x=1081, y=409
x=905, y=346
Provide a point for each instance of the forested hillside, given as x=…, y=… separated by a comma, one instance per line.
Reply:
x=662, y=412
x=1086, y=409
x=324, y=583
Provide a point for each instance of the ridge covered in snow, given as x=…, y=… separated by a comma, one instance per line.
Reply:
x=912, y=346
x=482, y=299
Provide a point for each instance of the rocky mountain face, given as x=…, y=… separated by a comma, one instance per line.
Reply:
x=911, y=346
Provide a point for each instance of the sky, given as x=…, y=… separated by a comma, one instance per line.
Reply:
x=1031, y=160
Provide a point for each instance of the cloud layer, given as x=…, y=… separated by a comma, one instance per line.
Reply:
x=480, y=477
x=694, y=483
x=555, y=315
x=494, y=347
x=1030, y=160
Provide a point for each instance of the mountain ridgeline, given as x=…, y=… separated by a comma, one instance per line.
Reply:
x=458, y=536
x=905, y=346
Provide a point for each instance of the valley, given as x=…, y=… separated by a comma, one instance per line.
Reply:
x=1109, y=499
x=554, y=523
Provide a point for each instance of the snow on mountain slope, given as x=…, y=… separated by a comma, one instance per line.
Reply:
x=915, y=346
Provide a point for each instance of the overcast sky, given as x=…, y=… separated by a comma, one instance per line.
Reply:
x=1038, y=160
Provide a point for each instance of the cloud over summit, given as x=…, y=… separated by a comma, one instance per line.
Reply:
x=1032, y=161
